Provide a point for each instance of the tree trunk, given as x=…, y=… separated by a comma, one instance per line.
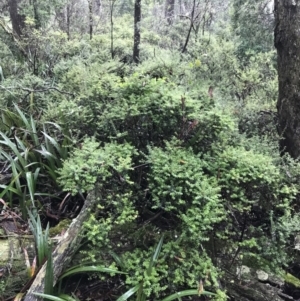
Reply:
x=169, y=11
x=137, y=31
x=17, y=20
x=112, y=4
x=37, y=19
x=91, y=4
x=287, y=42
x=68, y=20
x=97, y=7
x=180, y=7
x=190, y=28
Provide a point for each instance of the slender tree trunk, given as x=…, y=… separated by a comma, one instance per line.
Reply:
x=37, y=18
x=97, y=7
x=68, y=17
x=17, y=20
x=190, y=29
x=91, y=4
x=204, y=17
x=112, y=4
x=63, y=18
x=287, y=42
x=137, y=31
x=169, y=11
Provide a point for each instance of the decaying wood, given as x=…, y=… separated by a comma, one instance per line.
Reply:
x=64, y=251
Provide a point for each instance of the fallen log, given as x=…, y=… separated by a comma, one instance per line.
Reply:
x=64, y=251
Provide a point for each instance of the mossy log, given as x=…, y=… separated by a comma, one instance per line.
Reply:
x=64, y=250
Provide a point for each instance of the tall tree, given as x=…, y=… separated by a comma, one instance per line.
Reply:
x=137, y=30
x=17, y=20
x=169, y=11
x=192, y=19
x=97, y=7
x=111, y=9
x=287, y=42
x=91, y=5
x=36, y=14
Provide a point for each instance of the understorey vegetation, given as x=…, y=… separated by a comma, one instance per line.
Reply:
x=181, y=148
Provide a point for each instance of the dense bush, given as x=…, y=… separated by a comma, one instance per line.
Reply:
x=173, y=163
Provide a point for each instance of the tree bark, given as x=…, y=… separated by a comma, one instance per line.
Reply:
x=169, y=11
x=37, y=17
x=91, y=5
x=65, y=249
x=287, y=42
x=17, y=20
x=97, y=7
x=137, y=31
x=112, y=4
x=68, y=17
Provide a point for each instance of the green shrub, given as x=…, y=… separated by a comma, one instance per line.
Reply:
x=257, y=197
x=91, y=163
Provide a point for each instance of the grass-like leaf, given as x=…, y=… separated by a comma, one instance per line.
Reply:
x=30, y=126
x=7, y=188
x=34, y=135
x=29, y=152
x=31, y=184
x=40, y=237
x=141, y=296
x=6, y=141
x=54, y=143
x=129, y=293
x=49, y=278
x=9, y=118
x=84, y=269
x=185, y=293
x=155, y=256
x=51, y=297
x=11, y=160
x=68, y=298
x=117, y=259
